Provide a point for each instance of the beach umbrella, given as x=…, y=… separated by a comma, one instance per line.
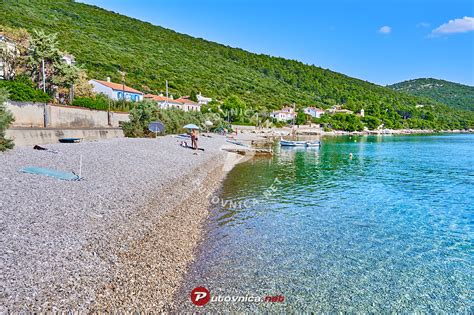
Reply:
x=208, y=123
x=191, y=126
x=156, y=126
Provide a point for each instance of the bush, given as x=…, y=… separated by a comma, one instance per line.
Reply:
x=6, y=118
x=92, y=103
x=371, y=122
x=102, y=102
x=140, y=116
x=341, y=121
x=21, y=91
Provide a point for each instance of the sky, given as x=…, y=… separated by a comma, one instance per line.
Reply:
x=381, y=41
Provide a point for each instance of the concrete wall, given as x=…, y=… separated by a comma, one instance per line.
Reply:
x=32, y=136
x=73, y=117
x=27, y=114
x=37, y=115
x=117, y=118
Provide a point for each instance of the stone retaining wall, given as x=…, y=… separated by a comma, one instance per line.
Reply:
x=38, y=115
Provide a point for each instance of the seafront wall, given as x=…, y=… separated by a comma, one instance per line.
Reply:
x=40, y=123
x=40, y=115
x=32, y=136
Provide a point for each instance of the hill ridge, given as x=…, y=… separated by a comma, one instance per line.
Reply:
x=105, y=42
x=456, y=95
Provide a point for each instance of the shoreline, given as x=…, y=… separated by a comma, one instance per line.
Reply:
x=122, y=239
x=309, y=131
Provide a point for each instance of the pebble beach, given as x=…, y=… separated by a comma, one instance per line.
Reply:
x=120, y=239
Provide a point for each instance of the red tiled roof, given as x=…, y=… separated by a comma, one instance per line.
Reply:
x=158, y=98
x=186, y=101
x=118, y=87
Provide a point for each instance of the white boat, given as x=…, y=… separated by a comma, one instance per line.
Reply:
x=288, y=143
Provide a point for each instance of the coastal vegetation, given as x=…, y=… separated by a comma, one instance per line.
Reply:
x=102, y=102
x=36, y=70
x=22, y=90
x=452, y=94
x=6, y=119
x=106, y=44
x=173, y=119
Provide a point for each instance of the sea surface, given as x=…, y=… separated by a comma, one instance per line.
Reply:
x=390, y=230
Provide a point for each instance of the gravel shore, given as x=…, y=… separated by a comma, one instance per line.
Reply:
x=118, y=240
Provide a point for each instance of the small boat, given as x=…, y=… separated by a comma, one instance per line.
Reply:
x=70, y=140
x=288, y=143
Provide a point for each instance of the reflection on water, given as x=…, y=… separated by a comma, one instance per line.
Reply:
x=389, y=230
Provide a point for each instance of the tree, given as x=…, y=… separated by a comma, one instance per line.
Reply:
x=13, y=51
x=234, y=107
x=212, y=107
x=140, y=116
x=44, y=52
x=371, y=122
x=82, y=87
x=64, y=77
x=6, y=118
x=193, y=96
x=301, y=118
x=43, y=49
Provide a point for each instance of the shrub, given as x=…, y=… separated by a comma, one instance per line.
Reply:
x=102, y=102
x=140, y=116
x=92, y=103
x=21, y=91
x=371, y=122
x=6, y=118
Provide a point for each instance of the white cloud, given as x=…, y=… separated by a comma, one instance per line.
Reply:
x=385, y=30
x=466, y=24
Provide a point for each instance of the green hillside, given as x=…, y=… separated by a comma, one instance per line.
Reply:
x=453, y=94
x=105, y=42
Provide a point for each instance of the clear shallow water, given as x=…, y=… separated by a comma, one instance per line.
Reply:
x=389, y=230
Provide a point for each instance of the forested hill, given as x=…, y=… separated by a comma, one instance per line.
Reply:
x=453, y=94
x=105, y=42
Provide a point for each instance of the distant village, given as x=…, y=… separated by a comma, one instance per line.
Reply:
x=120, y=91
x=117, y=91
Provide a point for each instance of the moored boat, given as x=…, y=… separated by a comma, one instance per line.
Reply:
x=289, y=143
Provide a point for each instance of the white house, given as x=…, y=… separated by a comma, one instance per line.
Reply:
x=285, y=114
x=314, y=112
x=203, y=100
x=180, y=103
x=116, y=91
x=6, y=46
x=188, y=105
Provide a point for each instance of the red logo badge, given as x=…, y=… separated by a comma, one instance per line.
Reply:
x=200, y=296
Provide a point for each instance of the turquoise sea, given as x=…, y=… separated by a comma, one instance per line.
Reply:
x=390, y=230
